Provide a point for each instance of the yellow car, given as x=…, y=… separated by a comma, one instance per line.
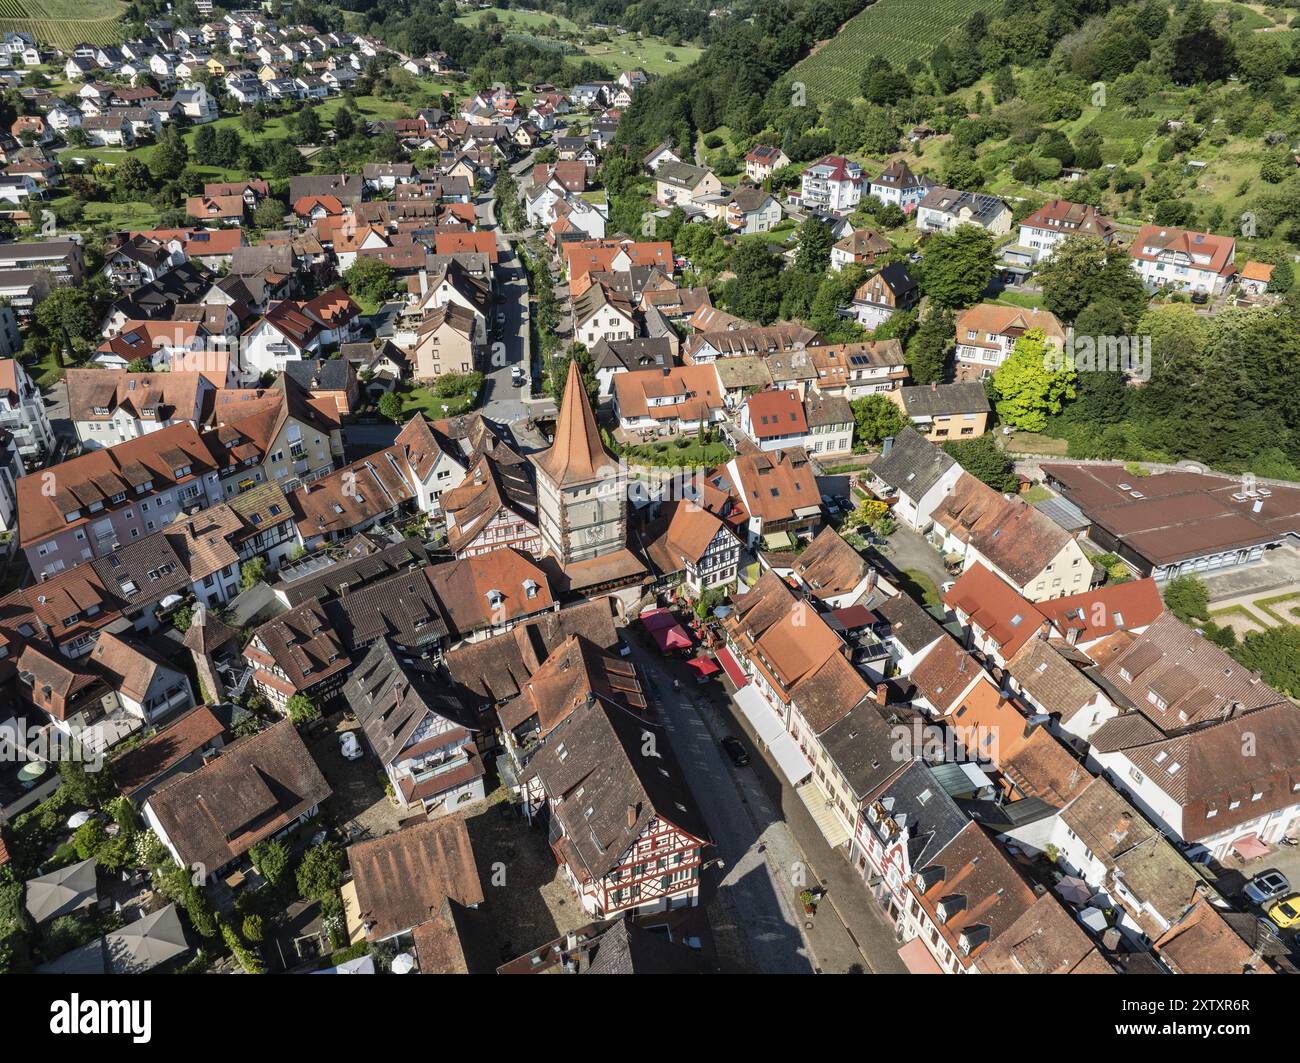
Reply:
x=1286, y=913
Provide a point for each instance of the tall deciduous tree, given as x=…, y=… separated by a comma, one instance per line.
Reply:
x=1029, y=388
x=876, y=417
x=957, y=266
x=928, y=348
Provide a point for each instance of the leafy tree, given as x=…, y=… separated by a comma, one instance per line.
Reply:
x=345, y=124
x=170, y=155
x=88, y=839
x=957, y=266
x=390, y=406
x=1029, y=389
x=369, y=279
x=1199, y=52
x=814, y=254
x=131, y=179
x=67, y=314
x=269, y=214
x=83, y=787
x=271, y=859
x=139, y=365
x=755, y=292
x=1187, y=598
x=1275, y=654
x=302, y=709
x=876, y=417
x=307, y=126
x=1081, y=271
x=985, y=460
x=252, y=572
x=927, y=350
x=321, y=872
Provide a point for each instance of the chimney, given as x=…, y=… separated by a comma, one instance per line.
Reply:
x=886, y=445
x=424, y=282
x=631, y=816
x=882, y=693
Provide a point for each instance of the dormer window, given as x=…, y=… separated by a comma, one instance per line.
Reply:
x=530, y=588
x=74, y=515
x=495, y=598
x=949, y=907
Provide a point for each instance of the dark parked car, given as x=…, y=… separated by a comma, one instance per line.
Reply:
x=735, y=751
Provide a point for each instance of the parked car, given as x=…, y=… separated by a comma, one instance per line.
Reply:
x=1267, y=887
x=1286, y=914
x=501, y=317
x=349, y=746
x=517, y=376
x=735, y=751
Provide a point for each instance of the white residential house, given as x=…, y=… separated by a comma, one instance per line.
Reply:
x=897, y=185
x=1187, y=261
x=22, y=411
x=942, y=209
x=833, y=185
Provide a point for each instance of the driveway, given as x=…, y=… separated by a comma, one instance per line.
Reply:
x=908, y=551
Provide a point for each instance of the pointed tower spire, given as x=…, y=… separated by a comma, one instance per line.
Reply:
x=577, y=455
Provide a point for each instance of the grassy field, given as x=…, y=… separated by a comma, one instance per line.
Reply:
x=651, y=54
x=64, y=23
x=897, y=30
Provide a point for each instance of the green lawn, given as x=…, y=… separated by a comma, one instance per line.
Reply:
x=921, y=587
x=1037, y=493
x=1036, y=443
x=619, y=53
x=416, y=399
x=114, y=216
x=1025, y=300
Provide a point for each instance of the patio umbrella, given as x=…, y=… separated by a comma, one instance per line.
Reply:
x=1074, y=890
x=62, y=891
x=78, y=819
x=1093, y=919
x=32, y=770
x=403, y=963
x=146, y=943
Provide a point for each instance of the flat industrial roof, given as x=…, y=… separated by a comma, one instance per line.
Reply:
x=1174, y=516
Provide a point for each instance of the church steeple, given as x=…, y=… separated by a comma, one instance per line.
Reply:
x=581, y=491
x=577, y=456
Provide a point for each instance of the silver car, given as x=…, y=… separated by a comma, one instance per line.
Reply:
x=1267, y=887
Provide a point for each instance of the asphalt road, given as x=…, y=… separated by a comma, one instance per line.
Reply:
x=752, y=896
x=509, y=346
